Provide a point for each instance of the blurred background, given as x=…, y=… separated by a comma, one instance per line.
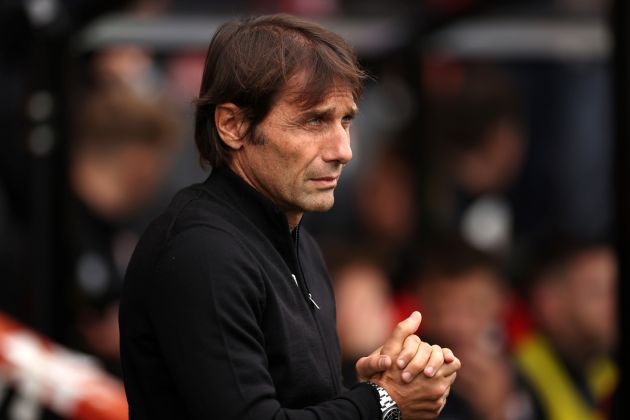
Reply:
x=490, y=189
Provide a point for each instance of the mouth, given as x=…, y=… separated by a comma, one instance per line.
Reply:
x=325, y=182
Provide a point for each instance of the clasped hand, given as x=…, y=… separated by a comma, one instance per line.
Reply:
x=417, y=375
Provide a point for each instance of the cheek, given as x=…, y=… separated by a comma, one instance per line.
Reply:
x=290, y=157
x=597, y=312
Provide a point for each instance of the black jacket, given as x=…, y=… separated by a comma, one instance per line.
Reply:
x=227, y=315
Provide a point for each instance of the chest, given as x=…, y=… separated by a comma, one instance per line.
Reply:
x=299, y=330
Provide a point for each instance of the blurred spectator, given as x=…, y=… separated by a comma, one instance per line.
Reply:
x=364, y=304
x=571, y=289
x=387, y=209
x=463, y=302
x=122, y=150
x=128, y=65
x=475, y=128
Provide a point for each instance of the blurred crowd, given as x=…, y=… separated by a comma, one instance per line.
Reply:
x=473, y=237
x=480, y=194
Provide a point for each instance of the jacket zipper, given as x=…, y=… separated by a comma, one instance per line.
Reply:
x=331, y=370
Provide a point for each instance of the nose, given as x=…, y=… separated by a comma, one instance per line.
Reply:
x=338, y=146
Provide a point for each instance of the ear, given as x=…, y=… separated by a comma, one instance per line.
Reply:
x=230, y=124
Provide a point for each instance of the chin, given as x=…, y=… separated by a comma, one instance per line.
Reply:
x=320, y=204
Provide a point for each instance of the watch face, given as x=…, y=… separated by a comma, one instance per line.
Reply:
x=392, y=414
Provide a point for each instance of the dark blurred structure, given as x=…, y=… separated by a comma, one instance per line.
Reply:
x=35, y=37
x=621, y=70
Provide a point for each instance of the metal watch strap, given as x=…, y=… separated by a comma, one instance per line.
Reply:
x=389, y=408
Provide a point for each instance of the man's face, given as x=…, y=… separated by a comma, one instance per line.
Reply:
x=297, y=159
x=463, y=312
x=591, y=296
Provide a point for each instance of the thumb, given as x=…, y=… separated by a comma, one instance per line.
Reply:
x=404, y=329
x=371, y=365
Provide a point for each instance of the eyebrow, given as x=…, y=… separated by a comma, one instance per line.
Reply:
x=327, y=111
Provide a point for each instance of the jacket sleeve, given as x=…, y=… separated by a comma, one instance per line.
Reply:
x=206, y=304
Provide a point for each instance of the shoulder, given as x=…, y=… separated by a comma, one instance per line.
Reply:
x=194, y=217
x=208, y=246
x=200, y=267
x=191, y=243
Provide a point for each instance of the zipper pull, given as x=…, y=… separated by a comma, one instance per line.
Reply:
x=314, y=303
x=295, y=280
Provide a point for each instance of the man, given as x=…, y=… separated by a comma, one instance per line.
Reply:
x=572, y=292
x=120, y=154
x=227, y=311
x=464, y=299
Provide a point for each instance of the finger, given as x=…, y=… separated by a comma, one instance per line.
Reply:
x=452, y=378
x=449, y=356
x=418, y=363
x=370, y=365
x=448, y=391
x=435, y=361
x=404, y=329
x=449, y=368
x=410, y=348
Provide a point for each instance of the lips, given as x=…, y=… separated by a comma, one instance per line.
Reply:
x=326, y=181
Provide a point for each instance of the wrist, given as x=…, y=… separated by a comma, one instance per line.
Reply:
x=388, y=408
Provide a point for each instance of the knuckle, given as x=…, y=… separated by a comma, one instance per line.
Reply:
x=415, y=365
x=404, y=323
x=434, y=395
x=441, y=404
x=401, y=326
x=436, y=357
x=434, y=407
x=439, y=391
x=444, y=389
x=415, y=338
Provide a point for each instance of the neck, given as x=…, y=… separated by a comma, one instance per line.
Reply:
x=293, y=218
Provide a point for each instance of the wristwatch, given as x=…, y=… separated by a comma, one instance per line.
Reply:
x=389, y=409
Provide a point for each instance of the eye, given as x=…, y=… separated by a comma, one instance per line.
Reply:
x=315, y=121
x=347, y=120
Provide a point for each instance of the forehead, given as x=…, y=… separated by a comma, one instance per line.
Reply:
x=299, y=95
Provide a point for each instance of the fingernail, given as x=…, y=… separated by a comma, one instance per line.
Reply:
x=429, y=371
x=401, y=363
x=415, y=315
x=406, y=376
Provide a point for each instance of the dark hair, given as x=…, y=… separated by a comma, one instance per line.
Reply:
x=112, y=117
x=249, y=63
x=549, y=254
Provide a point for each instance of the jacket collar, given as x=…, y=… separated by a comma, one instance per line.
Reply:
x=258, y=209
